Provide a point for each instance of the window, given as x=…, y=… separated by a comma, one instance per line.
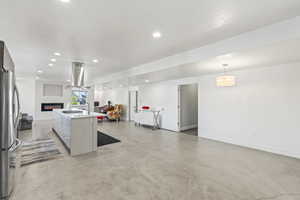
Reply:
x=79, y=97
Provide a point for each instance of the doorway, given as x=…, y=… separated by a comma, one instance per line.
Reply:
x=188, y=109
x=133, y=104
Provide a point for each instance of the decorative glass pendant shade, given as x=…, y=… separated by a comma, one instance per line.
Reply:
x=225, y=80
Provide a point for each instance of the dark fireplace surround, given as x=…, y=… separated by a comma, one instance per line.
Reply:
x=48, y=107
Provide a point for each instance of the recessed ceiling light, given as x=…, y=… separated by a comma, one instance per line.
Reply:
x=57, y=54
x=225, y=65
x=39, y=71
x=226, y=56
x=65, y=1
x=156, y=34
x=95, y=60
x=147, y=81
x=53, y=60
x=50, y=64
x=68, y=80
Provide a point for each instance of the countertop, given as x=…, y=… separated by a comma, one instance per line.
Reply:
x=84, y=113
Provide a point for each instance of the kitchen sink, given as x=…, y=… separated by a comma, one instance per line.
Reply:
x=72, y=111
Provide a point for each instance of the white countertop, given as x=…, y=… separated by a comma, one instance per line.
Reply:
x=84, y=113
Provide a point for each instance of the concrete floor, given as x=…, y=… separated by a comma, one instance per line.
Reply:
x=159, y=165
x=193, y=131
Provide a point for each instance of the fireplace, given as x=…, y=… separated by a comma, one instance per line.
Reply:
x=48, y=107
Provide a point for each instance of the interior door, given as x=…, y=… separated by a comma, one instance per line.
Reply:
x=179, y=108
x=133, y=104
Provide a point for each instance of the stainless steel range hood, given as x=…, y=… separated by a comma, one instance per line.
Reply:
x=77, y=74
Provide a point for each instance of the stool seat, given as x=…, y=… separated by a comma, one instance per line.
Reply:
x=100, y=117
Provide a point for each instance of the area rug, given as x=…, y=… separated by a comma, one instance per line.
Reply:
x=39, y=151
x=104, y=139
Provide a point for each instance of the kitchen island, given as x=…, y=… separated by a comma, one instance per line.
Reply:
x=77, y=129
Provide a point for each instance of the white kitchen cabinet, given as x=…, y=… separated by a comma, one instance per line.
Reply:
x=78, y=132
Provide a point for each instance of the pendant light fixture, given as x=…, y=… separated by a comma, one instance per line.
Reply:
x=225, y=80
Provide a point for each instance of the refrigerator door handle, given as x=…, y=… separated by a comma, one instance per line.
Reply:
x=16, y=120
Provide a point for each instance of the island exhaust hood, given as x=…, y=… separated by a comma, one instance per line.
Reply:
x=78, y=74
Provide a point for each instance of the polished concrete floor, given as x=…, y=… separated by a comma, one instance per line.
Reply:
x=193, y=131
x=159, y=165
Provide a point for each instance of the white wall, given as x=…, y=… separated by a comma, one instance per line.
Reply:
x=262, y=111
x=164, y=95
x=26, y=88
x=116, y=96
x=157, y=95
x=39, y=98
x=188, y=106
x=31, y=97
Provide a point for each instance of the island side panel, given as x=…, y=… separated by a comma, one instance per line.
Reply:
x=62, y=126
x=82, y=136
x=95, y=134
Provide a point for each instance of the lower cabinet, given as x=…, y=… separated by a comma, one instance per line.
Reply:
x=79, y=135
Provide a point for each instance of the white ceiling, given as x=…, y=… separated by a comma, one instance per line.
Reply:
x=119, y=32
x=268, y=56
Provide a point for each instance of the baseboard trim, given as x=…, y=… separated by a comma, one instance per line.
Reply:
x=255, y=147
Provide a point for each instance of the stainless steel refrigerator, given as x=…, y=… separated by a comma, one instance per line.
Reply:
x=9, y=119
